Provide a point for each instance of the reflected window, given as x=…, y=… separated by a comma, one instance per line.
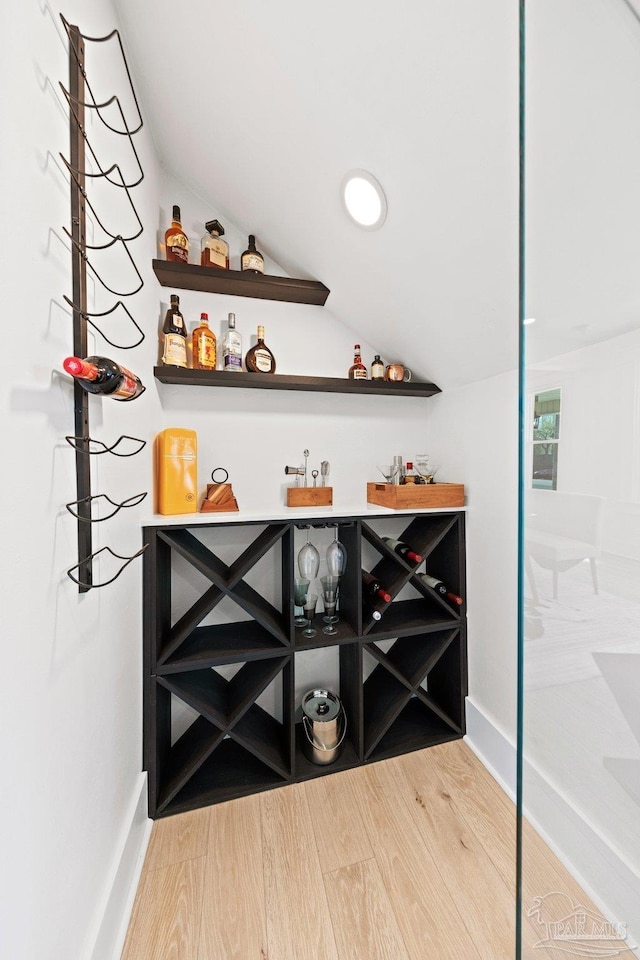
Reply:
x=545, y=440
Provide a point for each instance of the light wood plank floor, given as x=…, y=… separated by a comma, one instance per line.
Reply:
x=408, y=859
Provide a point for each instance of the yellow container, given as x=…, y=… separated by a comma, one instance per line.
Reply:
x=177, y=471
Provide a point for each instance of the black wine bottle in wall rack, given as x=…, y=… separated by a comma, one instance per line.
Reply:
x=401, y=662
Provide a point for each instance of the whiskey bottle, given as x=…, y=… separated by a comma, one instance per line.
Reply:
x=259, y=358
x=175, y=336
x=357, y=370
x=214, y=252
x=377, y=368
x=176, y=241
x=101, y=375
x=232, y=346
x=203, y=342
x=252, y=260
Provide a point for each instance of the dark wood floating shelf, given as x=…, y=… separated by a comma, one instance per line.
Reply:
x=277, y=381
x=235, y=283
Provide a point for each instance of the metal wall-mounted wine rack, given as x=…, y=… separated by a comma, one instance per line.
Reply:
x=81, y=101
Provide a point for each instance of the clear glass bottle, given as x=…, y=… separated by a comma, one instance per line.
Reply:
x=357, y=370
x=232, y=346
x=176, y=241
x=252, y=260
x=175, y=336
x=377, y=368
x=214, y=252
x=203, y=343
x=259, y=358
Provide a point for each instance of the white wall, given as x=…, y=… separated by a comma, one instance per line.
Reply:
x=71, y=779
x=474, y=436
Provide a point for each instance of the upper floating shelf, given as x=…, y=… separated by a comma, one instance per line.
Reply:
x=236, y=283
x=278, y=381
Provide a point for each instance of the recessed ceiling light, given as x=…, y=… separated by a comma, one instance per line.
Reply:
x=364, y=199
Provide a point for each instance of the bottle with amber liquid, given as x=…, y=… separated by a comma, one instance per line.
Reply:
x=214, y=252
x=259, y=358
x=252, y=260
x=357, y=370
x=175, y=336
x=176, y=241
x=203, y=343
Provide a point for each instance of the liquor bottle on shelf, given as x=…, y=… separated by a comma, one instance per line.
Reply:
x=232, y=346
x=174, y=332
x=357, y=370
x=203, y=342
x=373, y=589
x=214, y=252
x=403, y=550
x=176, y=241
x=440, y=588
x=377, y=368
x=101, y=375
x=252, y=260
x=259, y=358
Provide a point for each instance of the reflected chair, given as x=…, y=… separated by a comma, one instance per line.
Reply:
x=562, y=530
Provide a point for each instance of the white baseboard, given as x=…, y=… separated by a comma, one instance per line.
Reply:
x=612, y=883
x=118, y=901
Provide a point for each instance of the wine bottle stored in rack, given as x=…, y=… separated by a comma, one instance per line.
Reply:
x=403, y=550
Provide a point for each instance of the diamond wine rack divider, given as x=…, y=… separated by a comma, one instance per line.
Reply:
x=402, y=679
x=80, y=98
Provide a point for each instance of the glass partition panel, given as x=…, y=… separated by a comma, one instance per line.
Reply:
x=580, y=466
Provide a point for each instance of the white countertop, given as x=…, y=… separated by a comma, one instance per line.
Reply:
x=287, y=513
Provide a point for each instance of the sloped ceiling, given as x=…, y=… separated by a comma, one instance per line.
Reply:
x=262, y=107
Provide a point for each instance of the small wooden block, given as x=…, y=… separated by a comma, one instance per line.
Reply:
x=409, y=496
x=219, y=498
x=309, y=496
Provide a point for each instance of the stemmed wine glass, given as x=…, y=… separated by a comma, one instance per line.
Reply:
x=309, y=613
x=330, y=598
x=300, y=591
x=308, y=560
x=336, y=557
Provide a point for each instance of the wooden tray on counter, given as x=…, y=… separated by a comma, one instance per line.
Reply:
x=409, y=496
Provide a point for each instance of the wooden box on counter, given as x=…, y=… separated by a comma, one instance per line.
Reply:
x=309, y=496
x=411, y=496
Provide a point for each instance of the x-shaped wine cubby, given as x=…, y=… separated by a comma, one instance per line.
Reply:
x=226, y=667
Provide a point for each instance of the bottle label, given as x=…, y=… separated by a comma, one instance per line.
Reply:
x=177, y=321
x=175, y=350
x=128, y=386
x=215, y=254
x=232, y=361
x=178, y=247
x=359, y=374
x=263, y=361
x=205, y=352
x=377, y=371
x=251, y=261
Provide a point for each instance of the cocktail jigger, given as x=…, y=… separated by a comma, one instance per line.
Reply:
x=297, y=472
